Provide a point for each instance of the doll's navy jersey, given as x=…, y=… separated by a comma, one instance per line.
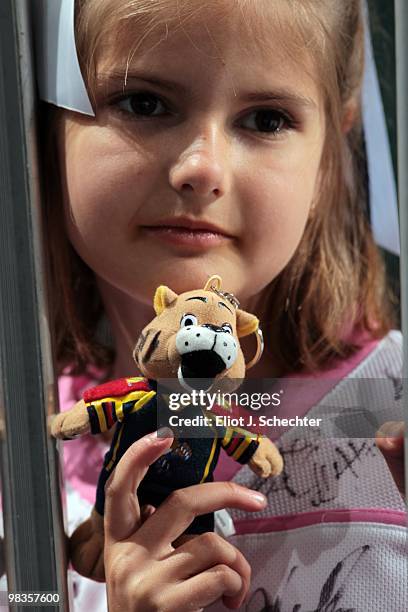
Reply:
x=136, y=407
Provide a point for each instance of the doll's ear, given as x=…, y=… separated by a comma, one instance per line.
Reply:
x=246, y=323
x=163, y=298
x=213, y=282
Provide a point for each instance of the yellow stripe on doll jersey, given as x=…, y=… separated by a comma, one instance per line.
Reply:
x=143, y=400
x=115, y=450
x=103, y=426
x=210, y=458
x=228, y=435
x=139, y=397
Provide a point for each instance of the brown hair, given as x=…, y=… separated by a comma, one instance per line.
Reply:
x=336, y=276
x=75, y=305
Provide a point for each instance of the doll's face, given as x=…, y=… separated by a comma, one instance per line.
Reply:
x=194, y=337
x=221, y=142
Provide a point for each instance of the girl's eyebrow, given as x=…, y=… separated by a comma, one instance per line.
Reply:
x=279, y=95
x=104, y=78
x=282, y=96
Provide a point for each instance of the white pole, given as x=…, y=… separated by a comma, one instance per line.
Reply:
x=32, y=516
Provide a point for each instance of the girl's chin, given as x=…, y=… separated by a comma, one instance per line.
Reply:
x=187, y=275
x=143, y=269
x=184, y=266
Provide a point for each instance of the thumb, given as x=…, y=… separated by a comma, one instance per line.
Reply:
x=390, y=441
x=145, y=512
x=390, y=438
x=122, y=510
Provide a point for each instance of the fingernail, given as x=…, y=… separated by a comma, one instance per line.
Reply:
x=258, y=497
x=164, y=433
x=390, y=443
x=392, y=429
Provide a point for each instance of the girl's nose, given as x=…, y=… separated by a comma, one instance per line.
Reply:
x=200, y=170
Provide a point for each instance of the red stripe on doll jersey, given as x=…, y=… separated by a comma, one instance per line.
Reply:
x=233, y=445
x=109, y=406
x=306, y=519
x=115, y=388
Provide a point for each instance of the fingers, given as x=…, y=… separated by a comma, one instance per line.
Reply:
x=178, y=511
x=390, y=437
x=206, y=588
x=122, y=512
x=204, y=552
x=151, y=591
x=146, y=511
x=396, y=467
x=390, y=441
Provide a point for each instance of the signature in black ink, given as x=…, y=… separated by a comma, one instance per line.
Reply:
x=319, y=487
x=398, y=387
x=331, y=594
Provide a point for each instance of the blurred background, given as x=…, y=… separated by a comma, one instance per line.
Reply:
x=382, y=33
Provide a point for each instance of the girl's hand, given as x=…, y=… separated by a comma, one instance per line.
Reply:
x=143, y=570
x=390, y=441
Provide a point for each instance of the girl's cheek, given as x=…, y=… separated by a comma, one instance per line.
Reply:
x=102, y=182
x=281, y=203
x=285, y=176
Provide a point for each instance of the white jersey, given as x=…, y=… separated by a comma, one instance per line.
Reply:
x=333, y=537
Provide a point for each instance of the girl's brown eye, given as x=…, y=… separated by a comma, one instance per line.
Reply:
x=266, y=120
x=145, y=104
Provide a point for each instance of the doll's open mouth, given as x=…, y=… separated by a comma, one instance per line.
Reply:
x=193, y=384
x=198, y=369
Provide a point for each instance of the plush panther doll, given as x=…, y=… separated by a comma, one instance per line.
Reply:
x=194, y=340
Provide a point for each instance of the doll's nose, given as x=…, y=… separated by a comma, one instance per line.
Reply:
x=200, y=169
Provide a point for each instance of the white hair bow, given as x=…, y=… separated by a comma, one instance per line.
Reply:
x=60, y=80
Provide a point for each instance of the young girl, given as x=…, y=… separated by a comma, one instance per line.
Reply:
x=226, y=138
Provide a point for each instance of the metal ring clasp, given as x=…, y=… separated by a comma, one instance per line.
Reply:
x=259, y=349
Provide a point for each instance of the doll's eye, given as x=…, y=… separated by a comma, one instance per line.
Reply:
x=188, y=319
x=226, y=327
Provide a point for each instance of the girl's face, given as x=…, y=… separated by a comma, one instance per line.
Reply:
x=205, y=162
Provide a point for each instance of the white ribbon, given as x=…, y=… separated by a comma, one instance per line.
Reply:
x=59, y=76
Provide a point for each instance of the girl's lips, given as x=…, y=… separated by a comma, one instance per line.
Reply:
x=185, y=236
